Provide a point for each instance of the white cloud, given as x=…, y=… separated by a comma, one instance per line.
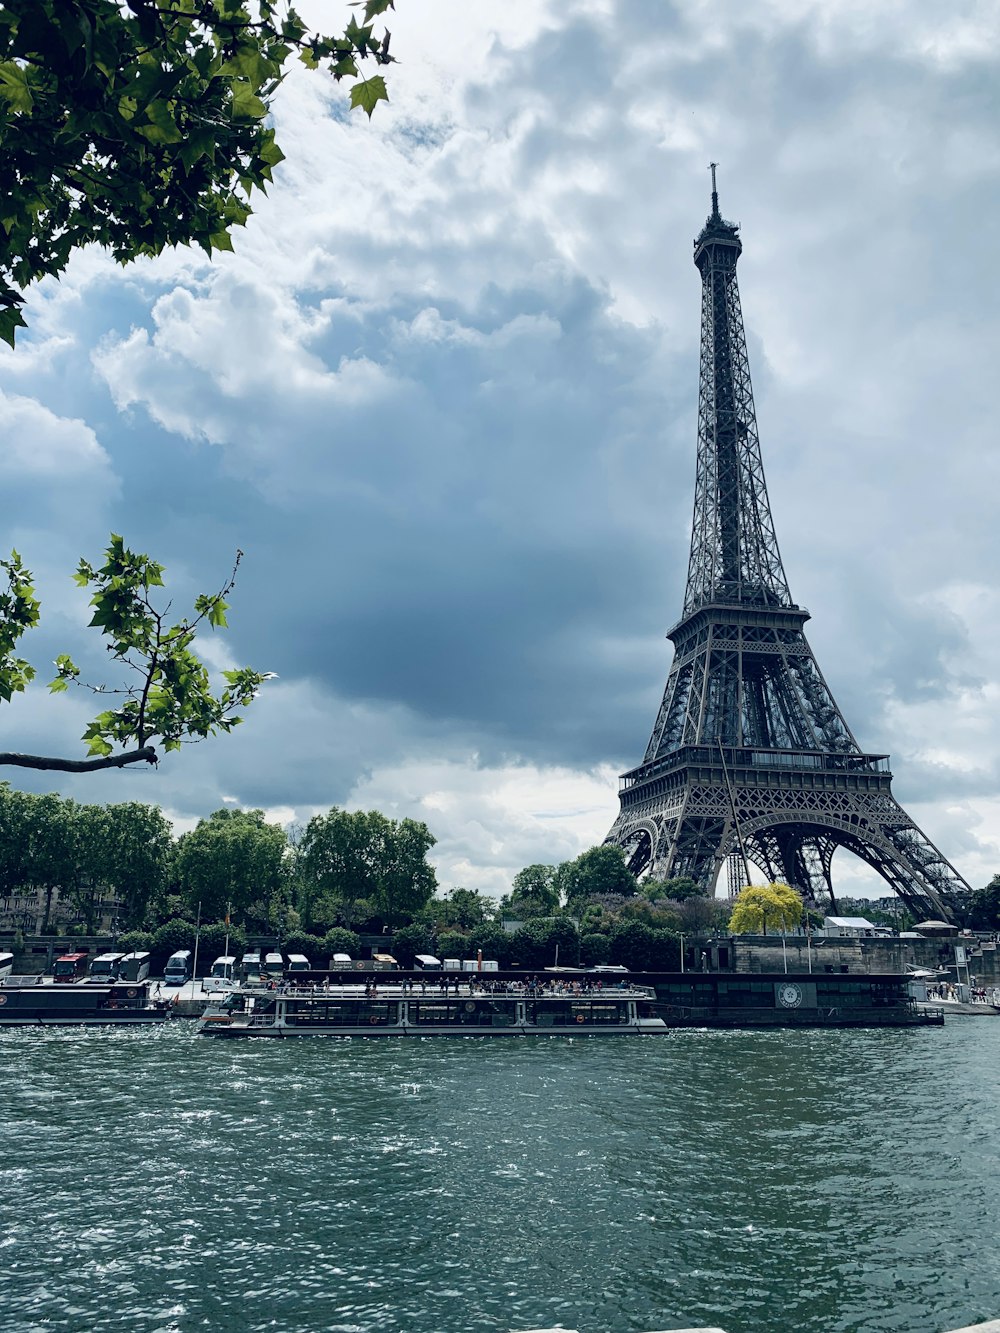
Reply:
x=443, y=393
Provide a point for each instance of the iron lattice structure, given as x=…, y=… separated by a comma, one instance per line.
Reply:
x=750, y=756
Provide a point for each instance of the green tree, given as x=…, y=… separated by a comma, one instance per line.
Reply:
x=236, y=859
x=406, y=881
x=339, y=940
x=217, y=939
x=452, y=944
x=135, y=941
x=984, y=908
x=675, y=890
x=168, y=939
x=302, y=941
x=165, y=694
x=493, y=941
x=595, y=948
x=533, y=893
x=601, y=870
x=48, y=848
x=758, y=907
x=535, y=944
x=143, y=125
x=461, y=908
x=128, y=849
x=408, y=941
x=352, y=856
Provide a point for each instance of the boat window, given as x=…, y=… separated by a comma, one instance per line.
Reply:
x=578, y=1013
x=340, y=1013
x=463, y=1013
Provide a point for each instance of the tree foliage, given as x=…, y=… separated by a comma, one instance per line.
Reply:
x=601, y=870
x=236, y=859
x=164, y=692
x=85, y=852
x=758, y=907
x=460, y=908
x=142, y=125
x=350, y=857
x=984, y=907
x=534, y=893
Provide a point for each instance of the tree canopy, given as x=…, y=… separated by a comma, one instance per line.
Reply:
x=759, y=906
x=163, y=693
x=600, y=870
x=347, y=857
x=533, y=893
x=141, y=125
x=235, y=858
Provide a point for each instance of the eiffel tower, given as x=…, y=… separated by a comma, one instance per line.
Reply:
x=750, y=756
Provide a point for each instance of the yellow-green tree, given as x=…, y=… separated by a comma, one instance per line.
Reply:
x=759, y=906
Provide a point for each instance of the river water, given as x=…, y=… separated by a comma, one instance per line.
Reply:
x=776, y=1182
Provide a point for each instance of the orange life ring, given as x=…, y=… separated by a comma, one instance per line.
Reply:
x=579, y=1018
x=373, y=1019
x=131, y=992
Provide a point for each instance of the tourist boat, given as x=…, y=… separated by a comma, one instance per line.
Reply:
x=29, y=1001
x=432, y=1010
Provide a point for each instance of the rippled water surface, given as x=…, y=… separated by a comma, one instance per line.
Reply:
x=765, y=1182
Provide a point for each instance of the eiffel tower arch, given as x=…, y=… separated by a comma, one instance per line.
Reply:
x=750, y=755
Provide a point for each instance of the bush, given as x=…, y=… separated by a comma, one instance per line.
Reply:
x=534, y=945
x=408, y=941
x=338, y=940
x=494, y=942
x=170, y=937
x=212, y=944
x=135, y=941
x=452, y=944
x=594, y=949
x=301, y=941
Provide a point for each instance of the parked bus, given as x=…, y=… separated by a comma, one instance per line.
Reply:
x=134, y=967
x=251, y=965
x=274, y=964
x=222, y=974
x=105, y=967
x=426, y=962
x=6, y=965
x=71, y=966
x=178, y=969
x=298, y=962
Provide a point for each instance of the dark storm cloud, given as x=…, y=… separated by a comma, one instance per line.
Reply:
x=444, y=397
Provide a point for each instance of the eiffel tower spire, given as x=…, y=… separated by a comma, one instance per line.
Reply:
x=750, y=755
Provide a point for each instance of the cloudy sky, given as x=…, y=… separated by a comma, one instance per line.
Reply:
x=443, y=396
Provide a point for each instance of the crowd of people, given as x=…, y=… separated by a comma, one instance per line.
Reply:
x=461, y=983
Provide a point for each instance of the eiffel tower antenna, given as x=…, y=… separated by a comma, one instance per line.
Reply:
x=750, y=757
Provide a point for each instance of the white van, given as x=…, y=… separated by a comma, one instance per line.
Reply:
x=221, y=975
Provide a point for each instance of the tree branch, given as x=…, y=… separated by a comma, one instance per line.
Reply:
x=146, y=754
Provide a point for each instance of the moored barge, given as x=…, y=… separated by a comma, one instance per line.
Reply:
x=27, y=1001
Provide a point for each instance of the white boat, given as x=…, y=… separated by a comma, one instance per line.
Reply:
x=470, y=1009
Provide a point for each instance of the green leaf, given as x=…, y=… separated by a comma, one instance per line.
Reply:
x=368, y=93
x=375, y=7
x=246, y=105
x=14, y=87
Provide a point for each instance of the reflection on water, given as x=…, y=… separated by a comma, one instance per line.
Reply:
x=765, y=1182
